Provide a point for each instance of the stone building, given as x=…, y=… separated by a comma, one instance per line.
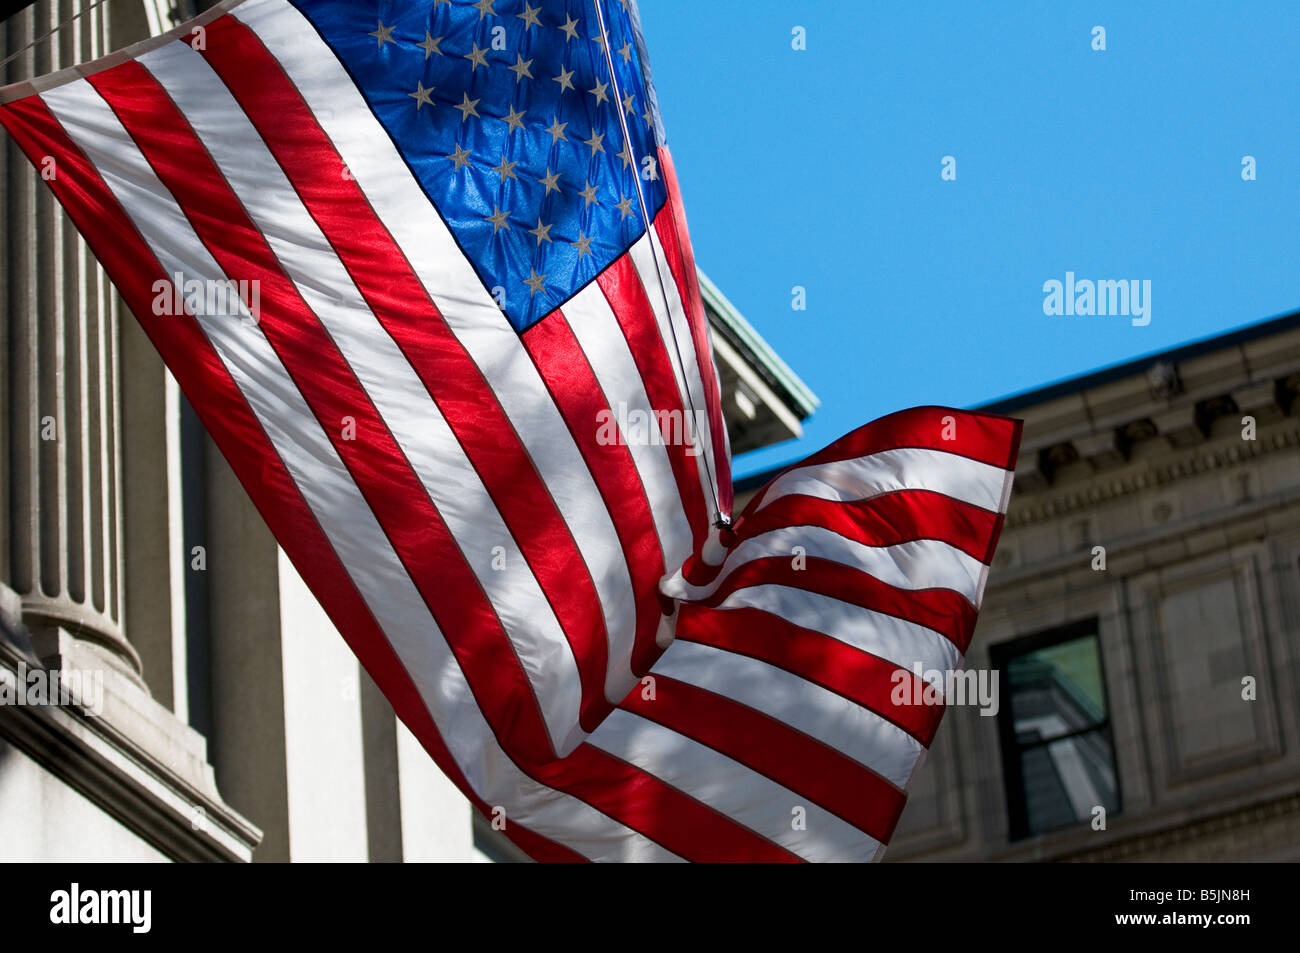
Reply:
x=236, y=725
x=229, y=721
x=1162, y=687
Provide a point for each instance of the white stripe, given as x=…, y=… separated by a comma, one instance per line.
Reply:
x=455, y=289
x=747, y=797
x=917, y=564
x=681, y=352
x=643, y=262
x=601, y=339
x=422, y=433
x=685, y=340
x=337, y=504
x=713, y=553
x=909, y=468
x=896, y=640
x=856, y=732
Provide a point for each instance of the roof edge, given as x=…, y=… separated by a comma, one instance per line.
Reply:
x=801, y=398
x=1138, y=365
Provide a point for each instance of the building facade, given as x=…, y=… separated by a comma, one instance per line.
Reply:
x=1142, y=615
x=220, y=716
x=1143, y=618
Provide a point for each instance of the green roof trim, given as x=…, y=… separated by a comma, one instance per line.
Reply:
x=798, y=395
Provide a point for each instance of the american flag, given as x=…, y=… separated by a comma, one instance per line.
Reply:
x=396, y=254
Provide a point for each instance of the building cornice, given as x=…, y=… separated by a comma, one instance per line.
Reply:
x=1083, y=495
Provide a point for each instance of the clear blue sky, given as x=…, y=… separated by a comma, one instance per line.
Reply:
x=821, y=168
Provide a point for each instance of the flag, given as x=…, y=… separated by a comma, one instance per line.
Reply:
x=397, y=257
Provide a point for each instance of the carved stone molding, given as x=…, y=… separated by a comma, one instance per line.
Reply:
x=128, y=755
x=1255, y=816
x=1088, y=495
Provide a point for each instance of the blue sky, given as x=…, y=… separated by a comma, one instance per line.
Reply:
x=821, y=168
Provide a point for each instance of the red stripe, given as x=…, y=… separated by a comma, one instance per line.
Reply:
x=622, y=791
x=394, y=493
x=899, y=516
x=573, y=385
x=678, y=822
x=627, y=299
x=633, y=797
x=225, y=414
x=399, y=301
x=944, y=610
x=864, y=679
x=987, y=438
x=666, y=815
x=670, y=226
x=774, y=749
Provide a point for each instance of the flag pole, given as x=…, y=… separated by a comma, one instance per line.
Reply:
x=41, y=39
x=719, y=520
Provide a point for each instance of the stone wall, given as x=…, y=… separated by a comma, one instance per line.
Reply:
x=1199, y=519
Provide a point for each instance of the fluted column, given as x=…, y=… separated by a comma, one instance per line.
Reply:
x=91, y=499
x=62, y=519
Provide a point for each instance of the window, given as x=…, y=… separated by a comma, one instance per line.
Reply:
x=1057, y=752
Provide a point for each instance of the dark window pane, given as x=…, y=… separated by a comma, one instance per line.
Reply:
x=1057, y=690
x=1058, y=754
x=1065, y=779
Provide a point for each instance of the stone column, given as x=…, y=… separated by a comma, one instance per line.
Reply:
x=85, y=403
x=63, y=494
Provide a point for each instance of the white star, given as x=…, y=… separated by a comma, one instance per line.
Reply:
x=421, y=95
x=520, y=69
x=514, y=119
x=506, y=169
x=557, y=130
x=529, y=16
x=430, y=45
x=384, y=35
x=543, y=232
x=570, y=28
x=498, y=220
x=460, y=157
x=479, y=57
x=550, y=182
x=466, y=107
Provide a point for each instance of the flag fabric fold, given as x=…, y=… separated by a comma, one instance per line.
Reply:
x=422, y=269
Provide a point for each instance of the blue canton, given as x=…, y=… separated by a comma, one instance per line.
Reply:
x=505, y=112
